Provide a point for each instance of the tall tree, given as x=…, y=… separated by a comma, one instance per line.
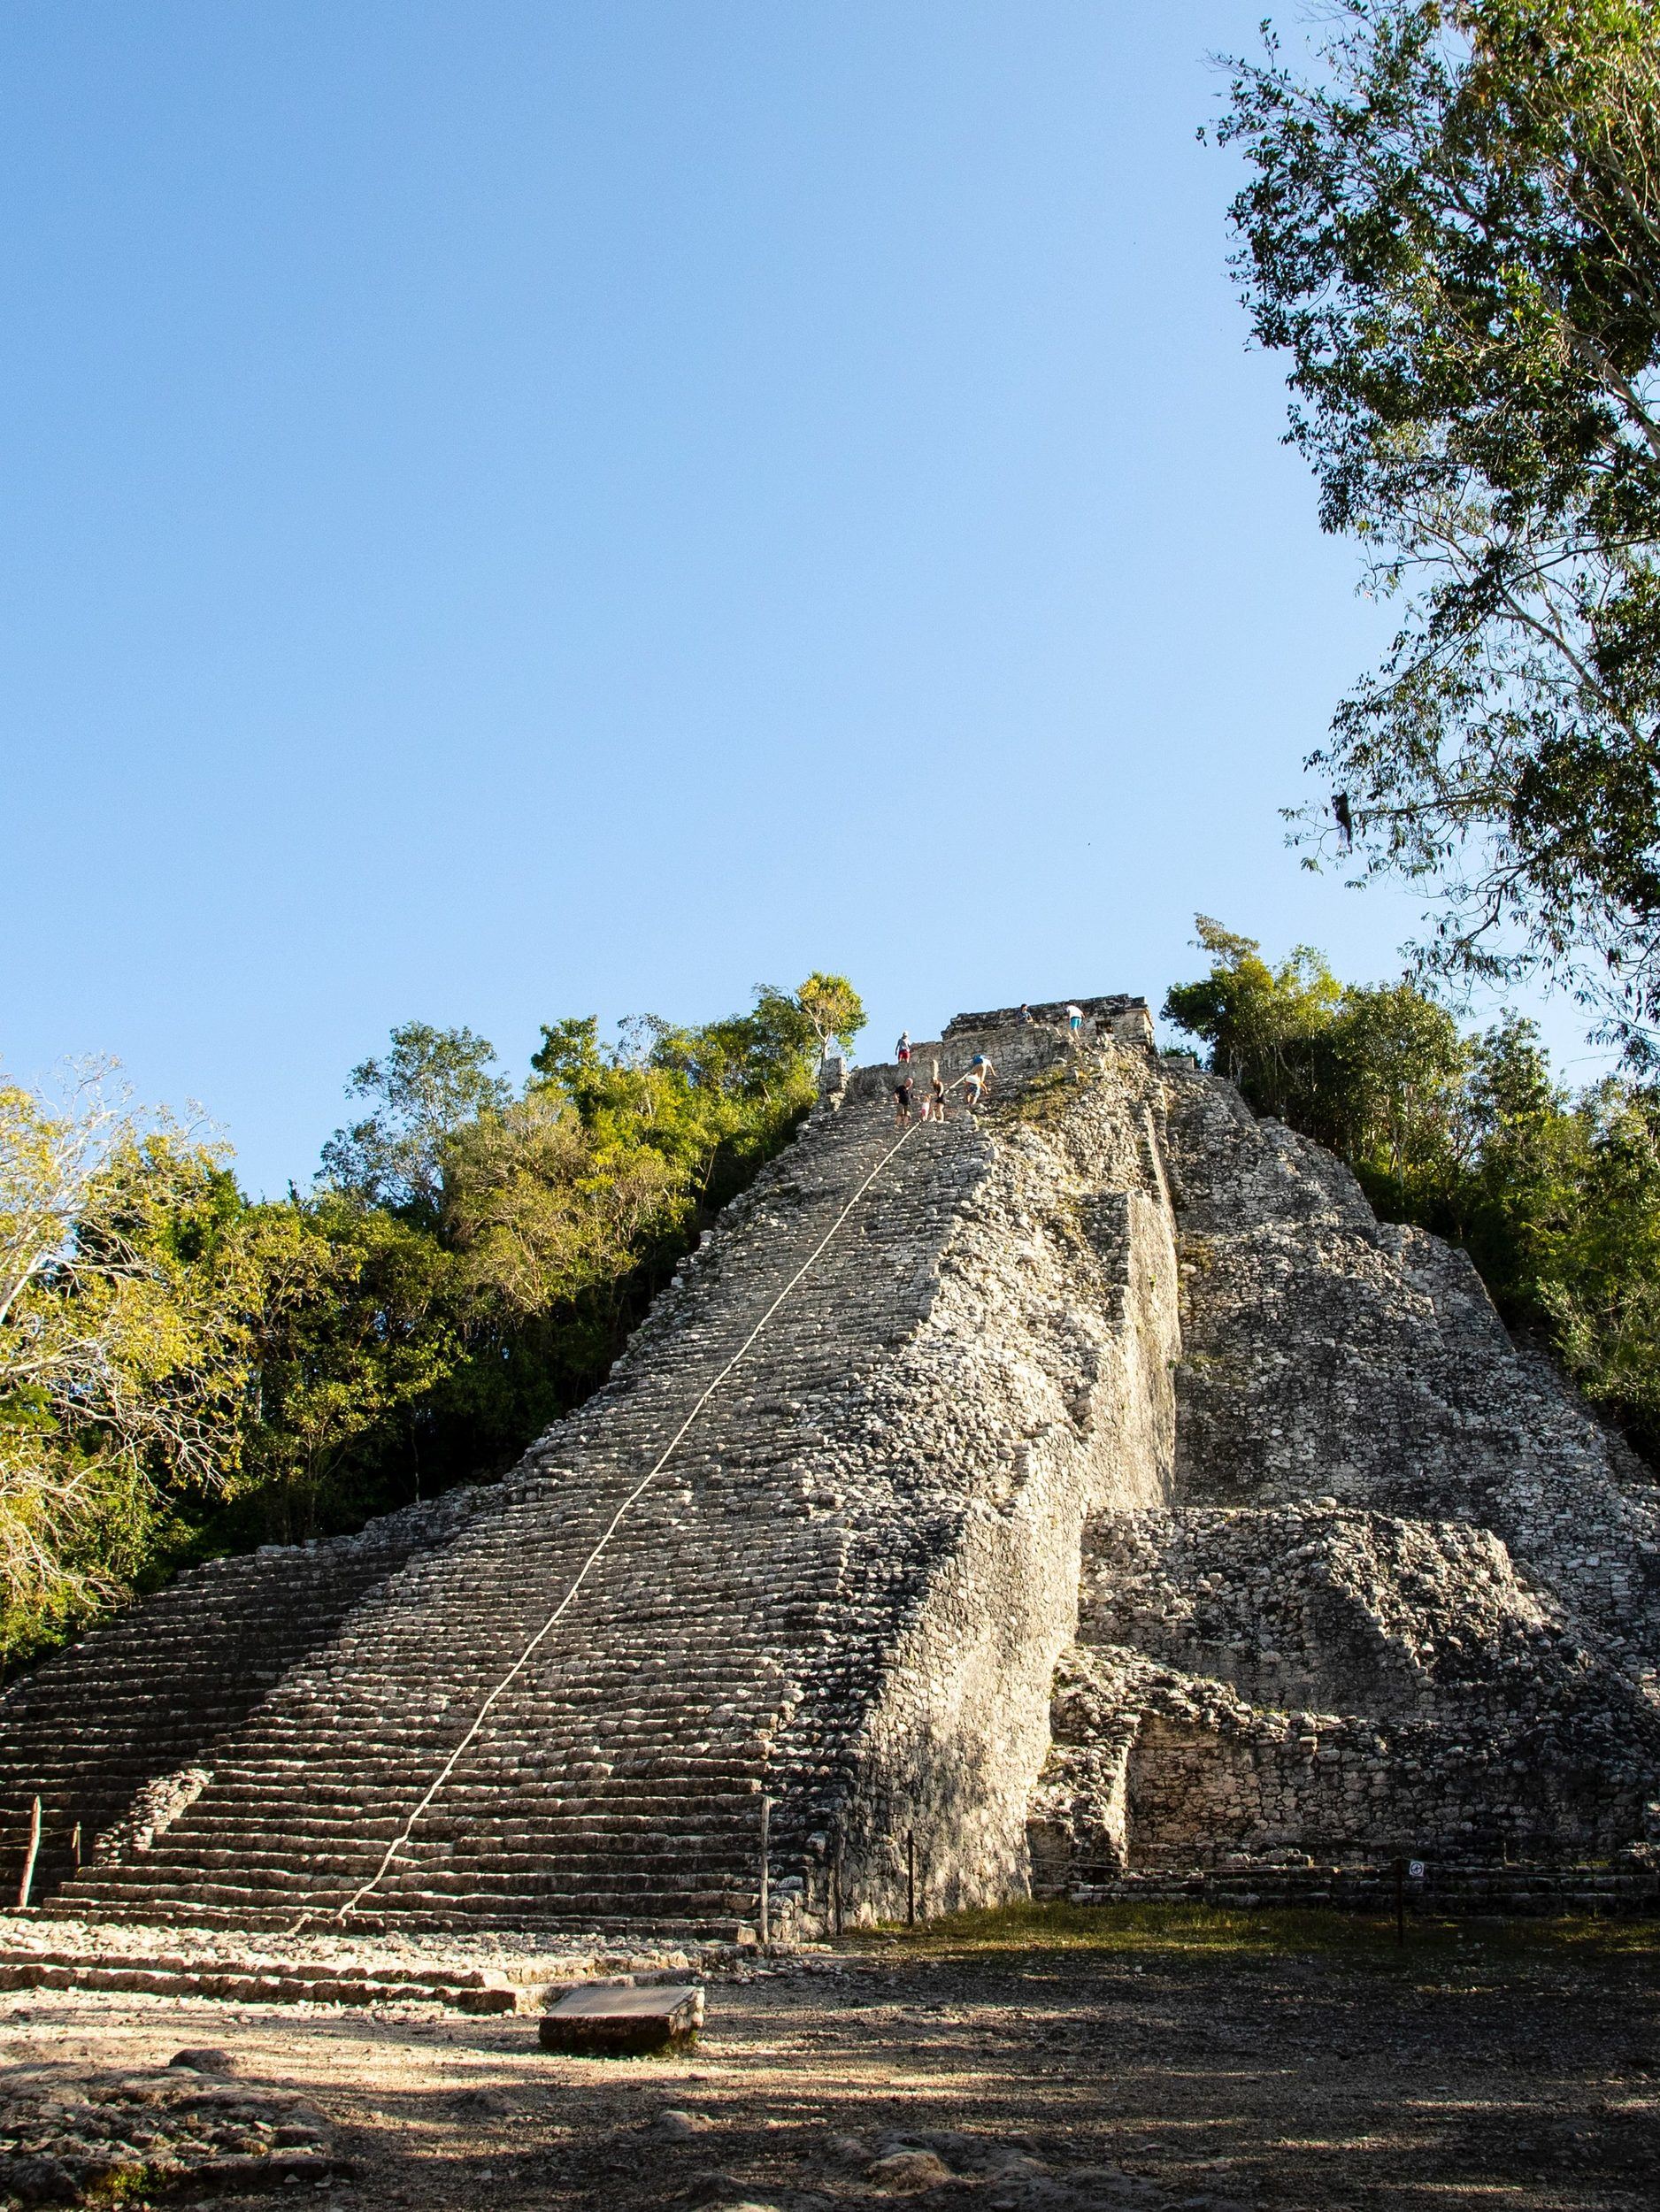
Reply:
x=1260, y=1022
x=1455, y=232
x=832, y=1007
x=122, y=1345
x=351, y=1325
x=431, y=1083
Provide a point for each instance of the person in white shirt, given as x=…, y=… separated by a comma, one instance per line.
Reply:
x=974, y=1082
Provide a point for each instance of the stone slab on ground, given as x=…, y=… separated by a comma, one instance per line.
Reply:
x=612, y=2019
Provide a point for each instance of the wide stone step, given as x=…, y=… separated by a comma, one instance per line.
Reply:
x=458, y=1988
x=517, y=1854
x=545, y=1918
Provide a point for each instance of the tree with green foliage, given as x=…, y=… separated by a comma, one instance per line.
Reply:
x=1391, y=1078
x=1258, y=1021
x=1455, y=234
x=351, y=1326
x=431, y=1083
x=832, y=1009
x=1601, y=1290
x=123, y=1355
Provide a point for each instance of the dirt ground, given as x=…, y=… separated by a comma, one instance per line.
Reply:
x=1047, y=2058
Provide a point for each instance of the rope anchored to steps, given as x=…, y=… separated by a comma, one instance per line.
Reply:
x=616, y=1519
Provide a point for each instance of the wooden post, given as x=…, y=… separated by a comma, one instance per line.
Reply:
x=911, y=1877
x=74, y=1845
x=835, y=1885
x=28, y=1883
x=766, y=1823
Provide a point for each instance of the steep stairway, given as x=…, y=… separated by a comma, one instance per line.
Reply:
x=148, y=1695
x=619, y=1776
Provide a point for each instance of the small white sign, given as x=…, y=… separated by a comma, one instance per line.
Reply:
x=1415, y=1868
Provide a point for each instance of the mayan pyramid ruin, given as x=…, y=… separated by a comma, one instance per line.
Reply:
x=1086, y=1497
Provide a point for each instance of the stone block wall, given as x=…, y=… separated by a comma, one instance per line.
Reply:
x=1404, y=1599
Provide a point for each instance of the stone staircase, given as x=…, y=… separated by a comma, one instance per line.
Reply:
x=93, y=1730
x=797, y=1607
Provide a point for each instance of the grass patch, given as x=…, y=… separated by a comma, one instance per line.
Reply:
x=1176, y=1931
x=1042, y=1099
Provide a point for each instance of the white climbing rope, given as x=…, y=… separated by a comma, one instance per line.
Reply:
x=635, y=1495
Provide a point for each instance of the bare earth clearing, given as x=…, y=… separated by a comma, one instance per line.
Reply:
x=1036, y=2058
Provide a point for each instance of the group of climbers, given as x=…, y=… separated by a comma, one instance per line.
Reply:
x=972, y=1083
x=1074, y=1020
x=933, y=1106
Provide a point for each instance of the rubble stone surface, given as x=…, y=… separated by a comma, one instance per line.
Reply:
x=66, y=2137
x=1403, y=1603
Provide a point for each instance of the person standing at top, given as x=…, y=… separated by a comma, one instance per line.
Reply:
x=1075, y=1019
x=1025, y=1015
x=903, y=1054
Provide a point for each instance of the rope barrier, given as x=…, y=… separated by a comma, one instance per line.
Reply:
x=635, y=1495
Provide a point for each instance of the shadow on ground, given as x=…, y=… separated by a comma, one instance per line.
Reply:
x=1043, y=2058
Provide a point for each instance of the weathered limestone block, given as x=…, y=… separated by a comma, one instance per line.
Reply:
x=1405, y=1598
x=612, y=2020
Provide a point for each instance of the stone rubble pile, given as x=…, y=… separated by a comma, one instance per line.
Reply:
x=68, y=2136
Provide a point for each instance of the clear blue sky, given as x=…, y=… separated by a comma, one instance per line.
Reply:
x=523, y=509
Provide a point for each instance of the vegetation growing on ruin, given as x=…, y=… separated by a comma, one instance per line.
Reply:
x=1176, y=1932
x=183, y=1370
x=1044, y=1100
x=1555, y=1196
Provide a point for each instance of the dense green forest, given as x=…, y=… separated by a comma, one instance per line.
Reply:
x=185, y=1371
x=1555, y=1195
